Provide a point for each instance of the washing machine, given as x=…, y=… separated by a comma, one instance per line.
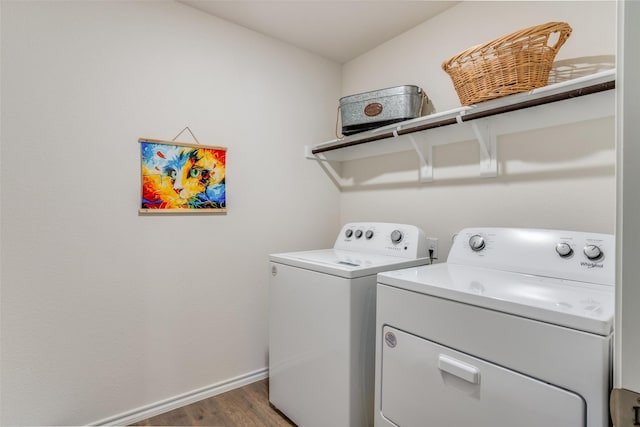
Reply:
x=322, y=322
x=515, y=329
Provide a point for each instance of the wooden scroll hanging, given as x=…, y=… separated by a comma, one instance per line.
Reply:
x=179, y=177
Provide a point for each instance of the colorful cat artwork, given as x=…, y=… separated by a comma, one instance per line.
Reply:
x=177, y=176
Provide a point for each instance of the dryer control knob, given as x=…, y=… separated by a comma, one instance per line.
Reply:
x=477, y=242
x=564, y=250
x=358, y=234
x=348, y=233
x=396, y=236
x=368, y=234
x=593, y=252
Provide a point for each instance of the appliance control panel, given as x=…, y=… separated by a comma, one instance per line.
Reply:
x=402, y=240
x=570, y=255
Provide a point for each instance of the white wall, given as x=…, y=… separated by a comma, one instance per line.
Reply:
x=103, y=310
x=560, y=177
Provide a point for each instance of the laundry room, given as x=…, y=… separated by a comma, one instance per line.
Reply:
x=111, y=314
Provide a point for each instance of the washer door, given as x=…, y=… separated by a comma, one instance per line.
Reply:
x=426, y=384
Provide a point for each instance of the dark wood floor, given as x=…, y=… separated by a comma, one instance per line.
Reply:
x=247, y=406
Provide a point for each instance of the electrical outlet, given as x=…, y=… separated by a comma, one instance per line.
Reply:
x=625, y=408
x=432, y=245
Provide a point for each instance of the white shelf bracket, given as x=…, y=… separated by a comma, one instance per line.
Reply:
x=488, y=147
x=308, y=153
x=425, y=157
x=329, y=168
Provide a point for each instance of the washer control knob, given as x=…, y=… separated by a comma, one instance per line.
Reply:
x=358, y=234
x=477, y=242
x=396, y=236
x=564, y=250
x=348, y=233
x=368, y=234
x=593, y=252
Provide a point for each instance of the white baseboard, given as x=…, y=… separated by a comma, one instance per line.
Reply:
x=148, y=411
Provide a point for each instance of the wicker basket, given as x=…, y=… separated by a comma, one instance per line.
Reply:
x=513, y=63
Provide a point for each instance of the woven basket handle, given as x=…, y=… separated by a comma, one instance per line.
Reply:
x=564, y=31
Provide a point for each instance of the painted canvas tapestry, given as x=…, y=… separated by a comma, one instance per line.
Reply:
x=181, y=177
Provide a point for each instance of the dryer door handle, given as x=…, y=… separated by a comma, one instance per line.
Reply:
x=459, y=369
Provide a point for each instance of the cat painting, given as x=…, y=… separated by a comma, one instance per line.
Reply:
x=179, y=177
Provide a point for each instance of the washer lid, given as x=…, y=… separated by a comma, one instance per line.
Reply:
x=577, y=305
x=346, y=264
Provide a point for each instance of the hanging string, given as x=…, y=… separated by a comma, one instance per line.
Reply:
x=192, y=135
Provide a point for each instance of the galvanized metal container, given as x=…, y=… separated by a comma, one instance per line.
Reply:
x=370, y=110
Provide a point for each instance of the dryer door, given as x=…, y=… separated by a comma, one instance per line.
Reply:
x=426, y=384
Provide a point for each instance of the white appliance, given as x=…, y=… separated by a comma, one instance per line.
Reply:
x=322, y=322
x=515, y=329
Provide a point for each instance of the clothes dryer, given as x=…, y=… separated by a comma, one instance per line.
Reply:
x=322, y=322
x=515, y=329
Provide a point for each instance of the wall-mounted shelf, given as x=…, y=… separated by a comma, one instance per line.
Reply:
x=585, y=98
